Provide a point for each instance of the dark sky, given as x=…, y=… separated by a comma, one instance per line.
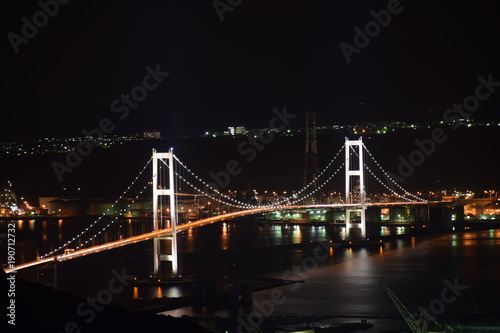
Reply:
x=264, y=54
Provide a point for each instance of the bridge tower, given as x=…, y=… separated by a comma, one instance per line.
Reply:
x=351, y=156
x=164, y=247
x=311, y=168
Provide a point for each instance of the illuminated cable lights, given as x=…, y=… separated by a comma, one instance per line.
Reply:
x=389, y=177
x=100, y=217
x=239, y=203
x=112, y=222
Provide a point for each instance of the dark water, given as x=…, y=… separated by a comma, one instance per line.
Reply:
x=338, y=282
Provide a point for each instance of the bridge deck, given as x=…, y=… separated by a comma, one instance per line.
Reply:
x=182, y=227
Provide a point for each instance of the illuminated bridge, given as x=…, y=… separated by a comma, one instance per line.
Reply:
x=353, y=185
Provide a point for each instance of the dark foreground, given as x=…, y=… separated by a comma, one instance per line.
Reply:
x=40, y=309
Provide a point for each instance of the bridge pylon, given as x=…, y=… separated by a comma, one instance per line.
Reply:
x=164, y=247
x=350, y=159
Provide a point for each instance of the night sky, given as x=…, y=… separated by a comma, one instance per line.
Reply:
x=263, y=54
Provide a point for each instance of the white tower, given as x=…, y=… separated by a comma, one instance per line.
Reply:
x=162, y=243
x=350, y=154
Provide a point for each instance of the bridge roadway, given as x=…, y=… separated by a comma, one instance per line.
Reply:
x=182, y=227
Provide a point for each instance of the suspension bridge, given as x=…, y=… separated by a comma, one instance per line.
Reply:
x=363, y=185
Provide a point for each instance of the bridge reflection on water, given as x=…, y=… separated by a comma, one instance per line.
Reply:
x=202, y=251
x=42, y=235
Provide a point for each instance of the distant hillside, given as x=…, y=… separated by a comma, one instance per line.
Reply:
x=466, y=160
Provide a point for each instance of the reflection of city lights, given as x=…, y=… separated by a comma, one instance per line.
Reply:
x=135, y=292
x=225, y=236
